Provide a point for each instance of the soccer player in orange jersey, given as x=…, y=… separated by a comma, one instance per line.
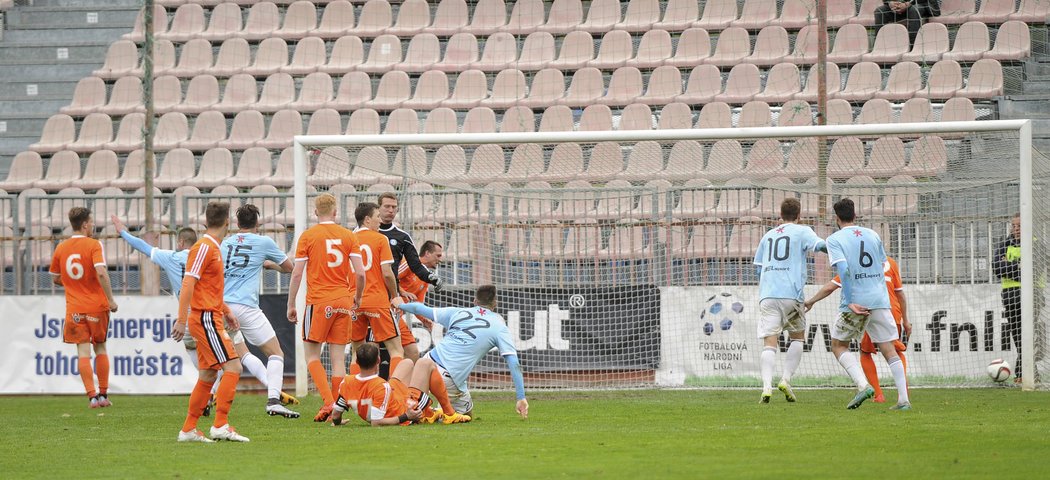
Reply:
x=201, y=309
x=899, y=308
x=89, y=299
x=413, y=289
x=325, y=253
x=380, y=293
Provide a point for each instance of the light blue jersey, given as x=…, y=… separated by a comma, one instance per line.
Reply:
x=243, y=255
x=860, y=250
x=173, y=263
x=782, y=257
x=469, y=335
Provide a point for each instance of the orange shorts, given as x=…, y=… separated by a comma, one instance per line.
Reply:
x=214, y=346
x=86, y=328
x=380, y=319
x=406, y=331
x=328, y=322
x=867, y=346
x=400, y=392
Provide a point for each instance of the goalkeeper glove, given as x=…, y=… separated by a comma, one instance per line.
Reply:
x=437, y=282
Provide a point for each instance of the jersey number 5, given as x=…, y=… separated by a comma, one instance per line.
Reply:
x=329, y=246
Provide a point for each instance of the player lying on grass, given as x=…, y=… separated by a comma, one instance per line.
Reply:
x=381, y=403
x=469, y=335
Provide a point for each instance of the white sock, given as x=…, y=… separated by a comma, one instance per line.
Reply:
x=254, y=367
x=794, y=357
x=768, y=359
x=849, y=362
x=274, y=376
x=900, y=379
x=193, y=358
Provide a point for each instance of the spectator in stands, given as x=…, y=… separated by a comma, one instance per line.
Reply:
x=913, y=12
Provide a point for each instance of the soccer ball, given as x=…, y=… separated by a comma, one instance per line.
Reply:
x=720, y=312
x=999, y=370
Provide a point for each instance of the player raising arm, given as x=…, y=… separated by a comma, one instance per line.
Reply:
x=470, y=334
x=782, y=268
x=325, y=254
x=858, y=256
x=89, y=299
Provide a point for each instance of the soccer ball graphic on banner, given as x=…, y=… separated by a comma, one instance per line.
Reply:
x=721, y=312
x=999, y=370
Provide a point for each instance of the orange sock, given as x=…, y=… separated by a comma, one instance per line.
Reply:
x=102, y=367
x=438, y=391
x=224, y=397
x=336, y=382
x=320, y=378
x=355, y=368
x=198, y=400
x=84, y=364
x=393, y=364
x=868, y=364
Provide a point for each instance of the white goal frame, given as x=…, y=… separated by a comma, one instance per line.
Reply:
x=1022, y=127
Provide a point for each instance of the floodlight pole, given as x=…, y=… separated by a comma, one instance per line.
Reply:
x=148, y=160
x=822, y=104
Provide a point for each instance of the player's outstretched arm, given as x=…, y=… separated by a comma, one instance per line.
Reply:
x=418, y=309
x=135, y=242
x=823, y=293
x=522, y=405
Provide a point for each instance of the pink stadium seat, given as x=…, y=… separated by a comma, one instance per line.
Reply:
x=905, y=79
x=337, y=20
x=413, y=16
x=1031, y=11
x=596, y=118
x=943, y=81
x=704, y=85
x=865, y=80
x=234, y=57
x=283, y=174
x=891, y=44
x=616, y=48
x=743, y=84
x=679, y=15
x=270, y=57
x=122, y=58
x=61, y=206
x=958, y=109
x=653, y=50
x=95, y=131
x=984, y=81
x=694, y=46
x=851, y=43
x=527, y=16
x=471, y=88
x=187, y=211
x=718, y=14
x=900, y=197
x=861, y=188
x=765, y=159
x=833, y=81
x=795, y=113
x=697, y=199
x=916, y=110
x=62, y=171
x=167, y=94
x=526, y=161
x=129, y=134
x=846, y=157
x=334, y=166
x=424, y=51
x=625, y=86
x=840, y=13
x=725, y=161
x=930, y=44
x=802, y=159
x=160, y=24
x=450, y=164
x=208, y=130
x=315, y=92
x=675, y=116
x=616, y=201
x=270, y=206
x=195, y=58
x=1012, y=42
x=309, y=56
x=263, y=20
x=411, y=159
x=277, y=93
x=501, y=51
x=178, y=167
x=636, y=116
x=487, y=164
x=299, y=18
x=577, y=48
x=556, y=118
x=586, y=87
x=715, y=115
x=101, y=169
x=574, y=202
x=536, y=52
x=173, y=128
x=756, y=14
x=254, y=168
x=431, y=90
x=566, y=164
x=734, y=45
x=480, y=120
x=685, y=161
x=364, y=121
x=384, y=53
x=216, y=167
x=133, y=173
x=488, y=17
x=347, y=54
x=284, y=125
x=441, y=120
x=876, y=110
x=971, y=42
x=402, y=121
x=460, y=51
x=645, y=161
x=508, y=89
x=796, y=14
x=887, y=157
x=737, y=199
x=59, y=131
x=664, y=85
x=806, y=43
x=955, y=11
x=564, y=16
x=782, y=84
x=108, y=201
x=518, y=119
x=866, y=12
x=601, y=16
x=640, y=16
x=163, y=58
x=224, y=22
x=125, y=97
x=355, y=91
x=394, y=88
x=755, y=114
x=450, y=17
x=771, y=46
x=839, y=112
x=325, y=121
x=88, y=97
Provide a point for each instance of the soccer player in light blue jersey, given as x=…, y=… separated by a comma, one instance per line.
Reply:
x=244, y=255
x=782, y=268
x=858, y=255
x=469, y=335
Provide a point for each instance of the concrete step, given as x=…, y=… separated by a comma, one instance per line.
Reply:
x=46, y=71
x=84, y=16
x=14, y=145
x=43, y=89
x=88, y=3
x=95, y=52
x=66, y=35
x=21, y=125
x=31, y=105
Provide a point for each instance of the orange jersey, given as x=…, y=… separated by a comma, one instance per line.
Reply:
x=893, y=285
x=372, y=397
x=74, y=261
x=410, y=282
x=375, y=252
x=327, y=248
x=205, y=264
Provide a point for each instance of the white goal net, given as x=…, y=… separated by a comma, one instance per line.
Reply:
x=624, y=258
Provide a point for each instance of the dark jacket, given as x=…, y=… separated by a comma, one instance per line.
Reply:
x=401, y=246
x=1002, y=268
x=927, y=8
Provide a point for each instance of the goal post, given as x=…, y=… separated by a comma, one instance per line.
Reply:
x=630, y=251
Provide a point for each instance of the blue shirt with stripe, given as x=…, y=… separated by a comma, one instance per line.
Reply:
x=782, y=257
x=863, y=254
x=243, y=255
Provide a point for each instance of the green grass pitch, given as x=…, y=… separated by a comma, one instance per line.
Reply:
x=980, y=433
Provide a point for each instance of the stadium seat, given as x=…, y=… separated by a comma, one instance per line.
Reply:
x=625, y=86
x=172, y=129
x=851, y=43
x=755, y=114
x=471, y=88
x=664, y=85
x=832, y=79
x=299, y=18
x=846, y=157
x=129, y=133
x=955, y=12
x=355, y=91
x=576, y=200
x=132, y=176
x=537, y=51
x=59, y=132
x=526, y=161
x=62, y=203
x=125, y=98
x=678, y=15
x=802, y=159
x=725, y=161
x=887, y=158
x=227, y=193
x=737, y=198
x=271, y=208
x=733, y=46
x=195, y=58
x=943, y=81
x=208, y=130
x=364, y=121
x=108, y=201
x=178, y=167
x=694, y=47
x=450, y=164
x=627, y=243
x=636, y=116
x=187, y=211
x=455, y=204
x=958, y=109
x=839, y=112
x=88, y=97
x=216, y=166
x=771, y=46
x=563, y=17
x=557, y=118
x=746, y=233
x=224, y=22
x=916, y=110
x=283, y=174
x=424, y=51
x=270, y=56
x=325, y=121
x=486, y=164
x=796, y=14
x=930, y=44
x=866, y=13
x=756, y=14
x=284, y=125
x=309, y=56
x=234, y=57
x=62, y=171
x=806, y=43
x=971, y=42
x=876, y=110
x=538, y=204
x=900, y=197
x=601, y=16
x=653, y=50
x=487, y=17
x=605, y=162
x=654, y=202
x=278, y=92
x=460, y=50
x=413, y=16
x=615, y=49
x=676, y=115
x=795, y=113
x=929, y=157
x=163, y=59
x=253, y=168
x=715, y=115
x=566, y=163
x=508, y=89
x=402, y=121
x=596, y=118
x=347, y=54
x=891, y=44
x=450, y=17
x=122, y=58
x=616, y=201
x=334, y=166
x=167, y=94
x=640, y=16
x=765, y=159
x=644, y=162
x=864, y=81
x=518, y=119
x=314, y=93
x=704, y=85
x=905, y=79
x=586, y=87
x=431, y=90
x=501, y=51
x=394, y=88
x=262, y=21
x=718, y=14
x=743, y=83
x=985, y=80
x=1031, y=11
x=441, y=120
x=160, y=24
x=782, y=84
x=95, y=131
x=101, y=169
x=696, y=199
x=136, y=216
x=383, y=54
x=577, y=48
x=480, y=120
x=337, y=20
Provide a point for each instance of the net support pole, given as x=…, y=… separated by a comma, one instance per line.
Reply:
x=299, y=192
x=1027, y=262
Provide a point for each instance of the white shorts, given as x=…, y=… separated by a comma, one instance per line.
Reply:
x=879, y=324
x=779, y=314
x=255, y=327
x=460, y=399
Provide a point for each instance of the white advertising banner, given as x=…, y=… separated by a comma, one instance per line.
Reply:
x=143, y=357
x=710, y=333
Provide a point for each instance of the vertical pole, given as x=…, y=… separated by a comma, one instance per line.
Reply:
x=822, y=104
x=150, y=283
x=1027, y=263
x=299, y=200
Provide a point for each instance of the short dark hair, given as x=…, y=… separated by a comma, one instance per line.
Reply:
x=790, y=209
x=486, y=295
x=385, y=195
x=217, y=214
x=364, y=210
x=77, y=217
x=187, y=235
x=845, y=210
x=428, y=246
x=368, y=355
x=247, y=216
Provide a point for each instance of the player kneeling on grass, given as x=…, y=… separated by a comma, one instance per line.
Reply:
x=469, y=335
